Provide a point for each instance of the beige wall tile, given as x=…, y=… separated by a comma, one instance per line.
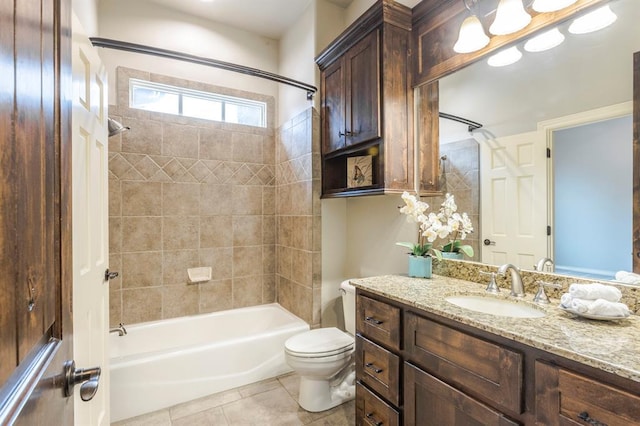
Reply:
x=247, y=230
x=141, y=234
x=145, y=136
x=175, y=265
x=141, y=199
x=285, y=231
x=115, y=265
x=247, y=200
x=115, y=235
x=179, y=140
x=115, y=198
x=268, y=288
x=247, y=261
x=216, y=199
x=247, y=291
x=283, y=261
x=220, y=260
x=180, y=300
x=268, y=259
x=180, y=232
x=269, y=230
x=142, y=269
x=247, y=147
x=216, y=231
x=301, y=267
x=215, y=144
x=115, y=307
x=181, y=199
x=269, y=150
x=301, y=232
x=141, y=304
x=216, y=296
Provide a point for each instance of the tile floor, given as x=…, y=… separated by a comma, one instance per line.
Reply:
x=270, y=402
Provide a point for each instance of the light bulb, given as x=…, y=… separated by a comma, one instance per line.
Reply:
x=510, y=17
x=471, y=37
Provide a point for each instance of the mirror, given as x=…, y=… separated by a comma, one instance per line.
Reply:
x=588, y=78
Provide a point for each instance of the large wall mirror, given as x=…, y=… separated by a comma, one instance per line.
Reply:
x=577, y=100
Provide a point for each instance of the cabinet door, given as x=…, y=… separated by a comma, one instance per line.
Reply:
x=567, y=398
x=363, y=90
x=333, y=105
x=429, y=401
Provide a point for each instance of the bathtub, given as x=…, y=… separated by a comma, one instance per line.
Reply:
x=162, y=363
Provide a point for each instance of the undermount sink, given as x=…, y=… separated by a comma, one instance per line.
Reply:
x=493, y=306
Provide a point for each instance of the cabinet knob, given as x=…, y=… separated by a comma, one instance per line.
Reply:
x=346, y=133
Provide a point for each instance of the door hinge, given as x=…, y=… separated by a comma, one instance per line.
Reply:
x=548, y=230
x=548, y=152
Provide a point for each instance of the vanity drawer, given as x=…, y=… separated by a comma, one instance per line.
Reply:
x=373, y=411
x=378, y=321
x=481, y=368
x=565, y=397
x=379, y=369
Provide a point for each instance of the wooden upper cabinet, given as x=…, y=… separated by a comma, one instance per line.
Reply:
x=367, y=105
x=363, y=91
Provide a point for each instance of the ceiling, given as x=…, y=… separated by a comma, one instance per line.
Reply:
x=269, y=18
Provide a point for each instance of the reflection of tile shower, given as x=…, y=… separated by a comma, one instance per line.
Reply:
x=442, y=178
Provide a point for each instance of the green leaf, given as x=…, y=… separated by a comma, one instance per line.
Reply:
x=466, y=249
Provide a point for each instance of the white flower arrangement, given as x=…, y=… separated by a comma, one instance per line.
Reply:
x=437, y=225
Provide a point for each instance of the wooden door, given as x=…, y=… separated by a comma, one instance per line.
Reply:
x=363, y=90
x=514, y=211
x=90, y=223
x=333, y=98
x=429, y=401
x=35, y=215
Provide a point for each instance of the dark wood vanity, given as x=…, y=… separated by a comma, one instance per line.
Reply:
x=417, y=368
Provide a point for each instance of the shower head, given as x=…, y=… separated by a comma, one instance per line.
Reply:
x=115, y=127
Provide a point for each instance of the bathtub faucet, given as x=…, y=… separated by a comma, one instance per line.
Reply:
x=119, y=329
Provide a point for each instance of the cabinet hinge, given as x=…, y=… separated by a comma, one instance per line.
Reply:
x=548, y=152
x=548, y=230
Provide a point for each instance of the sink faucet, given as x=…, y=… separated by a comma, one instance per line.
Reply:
x=517, y=289
x=119, y=329
x=540, y=265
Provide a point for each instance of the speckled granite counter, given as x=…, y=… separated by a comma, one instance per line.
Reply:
x=612, y=346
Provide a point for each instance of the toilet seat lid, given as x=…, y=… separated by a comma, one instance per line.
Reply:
x=321, y=341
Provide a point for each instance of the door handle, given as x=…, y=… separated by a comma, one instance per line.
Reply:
x=488, y=242
x=89, y=377
x=108, y=275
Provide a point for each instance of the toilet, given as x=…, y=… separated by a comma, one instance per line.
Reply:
x=324, y=360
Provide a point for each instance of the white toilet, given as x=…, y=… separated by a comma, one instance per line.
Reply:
x=324, y=360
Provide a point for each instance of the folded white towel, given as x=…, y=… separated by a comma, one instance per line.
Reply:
x=627, y=277
x=595, y=291
x=599, y=307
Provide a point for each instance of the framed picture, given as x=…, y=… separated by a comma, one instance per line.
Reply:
x=359, y=171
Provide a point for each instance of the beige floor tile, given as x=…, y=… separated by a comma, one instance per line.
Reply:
x=212, y=417
x=157, y=418
x=291, y=383
x=259, y=387
x=342, y=415
x=203, y=404
x=274, y=407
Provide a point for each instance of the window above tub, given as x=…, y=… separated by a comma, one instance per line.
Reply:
x=168, y=99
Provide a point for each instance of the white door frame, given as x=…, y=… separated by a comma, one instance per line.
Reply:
x=567, y=122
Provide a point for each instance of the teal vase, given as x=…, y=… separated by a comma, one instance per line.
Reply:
x=420, y=267
x=452, y=255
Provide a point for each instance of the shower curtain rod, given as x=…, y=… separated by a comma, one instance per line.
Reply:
x=172, y=54
x=472, y=124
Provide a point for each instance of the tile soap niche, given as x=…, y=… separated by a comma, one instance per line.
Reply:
x=199, y=275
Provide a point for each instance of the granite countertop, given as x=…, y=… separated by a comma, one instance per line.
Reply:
x=611, y=346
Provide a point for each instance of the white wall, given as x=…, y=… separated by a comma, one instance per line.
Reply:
x=151, y=24
x=87, y=13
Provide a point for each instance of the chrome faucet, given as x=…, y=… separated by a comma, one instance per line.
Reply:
x=540, y=265
x=517, y=288
x=119, y=329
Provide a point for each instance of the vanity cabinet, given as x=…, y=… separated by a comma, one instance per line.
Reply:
x=418, y=368
x=367, y=106
x=565, y=397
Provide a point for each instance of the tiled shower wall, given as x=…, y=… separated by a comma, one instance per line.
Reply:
x=460, y=176
x=298, y=242
x=186, y=193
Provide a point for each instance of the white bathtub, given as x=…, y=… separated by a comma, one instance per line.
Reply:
x=162, y=363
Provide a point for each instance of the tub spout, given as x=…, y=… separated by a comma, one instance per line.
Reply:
x=119, y=329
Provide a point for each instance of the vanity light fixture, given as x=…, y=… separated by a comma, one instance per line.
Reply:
x=506, y=57
x=472, y=36
x=510, y=18
x=542, y=6
x=593, y=21
x=544, y=41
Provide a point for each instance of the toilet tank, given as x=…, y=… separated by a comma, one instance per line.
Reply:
x=349, y=306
